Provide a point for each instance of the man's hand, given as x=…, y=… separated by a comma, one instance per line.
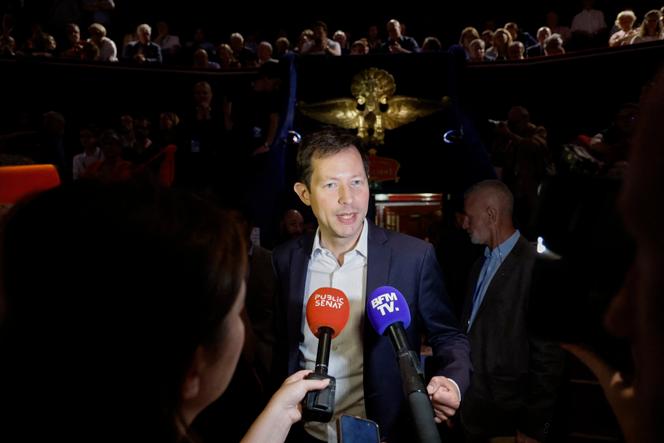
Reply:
x=444, y=397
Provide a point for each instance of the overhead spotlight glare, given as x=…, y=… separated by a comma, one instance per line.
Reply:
x=452, y=136
x=294, y=137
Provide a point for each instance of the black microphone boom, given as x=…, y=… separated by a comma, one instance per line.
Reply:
x=412, y=382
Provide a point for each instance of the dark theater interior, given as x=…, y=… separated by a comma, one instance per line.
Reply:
x=179, y=181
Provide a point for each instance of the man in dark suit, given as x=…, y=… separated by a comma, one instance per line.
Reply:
x=349, y=253
x=516, y=374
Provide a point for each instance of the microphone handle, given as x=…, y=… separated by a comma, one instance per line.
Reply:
x=323, y=353
x=319, y=405
x=412, y=382
x=420, y=407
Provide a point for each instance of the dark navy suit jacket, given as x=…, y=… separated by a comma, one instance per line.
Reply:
x=394, y=259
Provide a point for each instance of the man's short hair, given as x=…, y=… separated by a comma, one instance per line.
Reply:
x=496, y=188
x=324, y=143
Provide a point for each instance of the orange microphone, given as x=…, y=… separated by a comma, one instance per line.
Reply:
x=17, y=182
x=328, y=310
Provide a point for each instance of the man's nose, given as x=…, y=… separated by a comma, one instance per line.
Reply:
x=345, y=195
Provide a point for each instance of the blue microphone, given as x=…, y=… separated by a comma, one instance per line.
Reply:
x=389, y=314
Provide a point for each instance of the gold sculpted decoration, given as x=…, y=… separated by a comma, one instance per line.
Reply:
x=374, y=107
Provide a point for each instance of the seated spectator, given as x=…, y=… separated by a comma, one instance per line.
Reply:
x=515, y=51
x=553, y=45
x=467, y=36
x=500, y=43
x=264, y=53
x=226, y=58
x=202, y=61
x=241, y=53
x=477, y=51
x=137, y=325
x=341, y=38
x=624, y=21
x=281, y=47
x=538, y=50
x=521, y=36
x=142, y=50
x=359, y=47
x=91, y=152
x=108, y=52
x=74, y=42
x=397, y=43
x=169, y=43
x=431, y=44
x=111, y=167
x=650, y=29
x=320, y=43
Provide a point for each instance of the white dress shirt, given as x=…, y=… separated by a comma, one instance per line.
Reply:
x=346, y=354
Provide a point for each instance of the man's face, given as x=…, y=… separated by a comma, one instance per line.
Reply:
x=338, y=195
x=294, y=224
x=477, y=223
x=393, y=30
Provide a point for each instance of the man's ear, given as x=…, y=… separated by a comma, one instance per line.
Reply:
x=493, y=214
x=303, y=192
x=192, y=381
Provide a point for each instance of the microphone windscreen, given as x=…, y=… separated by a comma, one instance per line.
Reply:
x=386, y=306
x=327, y=307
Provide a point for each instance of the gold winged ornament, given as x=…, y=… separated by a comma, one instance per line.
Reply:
x=374, y=109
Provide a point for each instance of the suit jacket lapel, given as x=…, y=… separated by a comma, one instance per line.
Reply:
x=468, y=301
x=378, y=271
x=378, y=268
